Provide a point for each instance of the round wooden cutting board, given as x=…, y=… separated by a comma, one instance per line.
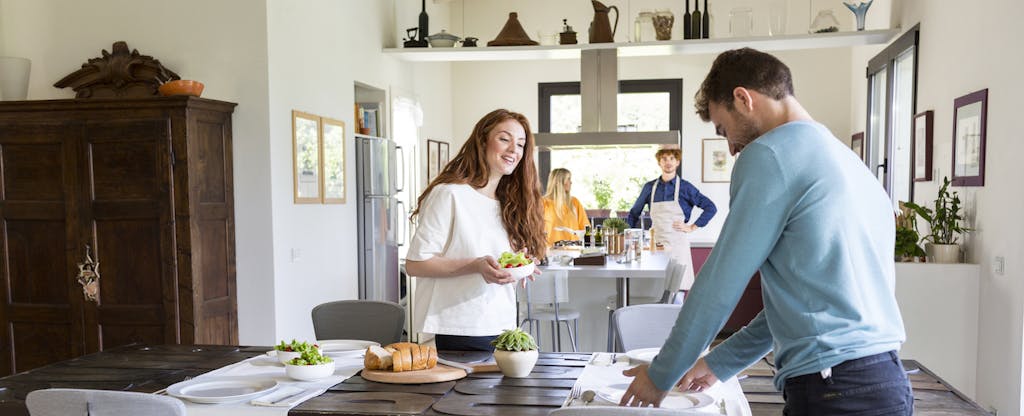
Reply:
x=433, y=375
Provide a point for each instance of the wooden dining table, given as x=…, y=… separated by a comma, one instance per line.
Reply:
x=151, y=368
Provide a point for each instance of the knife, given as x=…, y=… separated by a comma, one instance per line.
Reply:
x=470, y=368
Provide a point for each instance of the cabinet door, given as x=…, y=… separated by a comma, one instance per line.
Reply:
x=41, y=313
x=128, y=218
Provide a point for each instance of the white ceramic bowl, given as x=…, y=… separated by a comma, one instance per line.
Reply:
x=309, y=372
x=520, y=272
x=286, y=356
x=442, y=43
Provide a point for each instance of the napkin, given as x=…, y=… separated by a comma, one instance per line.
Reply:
x=287, y=396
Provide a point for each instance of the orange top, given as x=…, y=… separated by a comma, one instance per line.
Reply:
x=551, y=220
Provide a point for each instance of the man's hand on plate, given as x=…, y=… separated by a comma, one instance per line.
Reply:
x=641, y=392
x=699, y=378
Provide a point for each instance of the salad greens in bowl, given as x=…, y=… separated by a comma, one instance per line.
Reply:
x=309, y=365
x=287, y=351
x=517, y=264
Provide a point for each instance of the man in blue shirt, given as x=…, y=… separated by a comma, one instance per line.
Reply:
x=671, y=200
x=807, y=213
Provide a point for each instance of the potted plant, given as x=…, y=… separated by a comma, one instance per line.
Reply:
x=515, y=351
x=944, y=222
x=907, y=237
x=603, y=197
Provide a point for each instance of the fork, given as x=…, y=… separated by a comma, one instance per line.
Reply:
x=574, y=394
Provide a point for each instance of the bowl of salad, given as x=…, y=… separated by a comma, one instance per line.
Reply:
x=516, y=264
x=287, y=351
x=309, y=366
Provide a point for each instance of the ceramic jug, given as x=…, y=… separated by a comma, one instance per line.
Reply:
x=601, y=30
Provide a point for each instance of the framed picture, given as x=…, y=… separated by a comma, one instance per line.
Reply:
x=333, y=152
x=857, y=144
x=433, y=157
x=716, y=161
x=922, y=152
x=442, y=156
x=970, y=113
x=306, y=157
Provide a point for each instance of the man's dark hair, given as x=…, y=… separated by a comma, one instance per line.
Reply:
x=748, y=68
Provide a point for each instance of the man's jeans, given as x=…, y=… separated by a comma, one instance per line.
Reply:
x=875, y=385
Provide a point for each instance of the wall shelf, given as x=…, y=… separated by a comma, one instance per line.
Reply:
x=658, y=48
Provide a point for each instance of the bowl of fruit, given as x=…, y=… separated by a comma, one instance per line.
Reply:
x=516, y=264
x=288, y=351
x=309, y=366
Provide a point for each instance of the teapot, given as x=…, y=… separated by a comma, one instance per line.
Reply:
x=601, y=30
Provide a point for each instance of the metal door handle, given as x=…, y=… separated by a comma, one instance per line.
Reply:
x=89, y=277
x=401, y=163
x=401, y=220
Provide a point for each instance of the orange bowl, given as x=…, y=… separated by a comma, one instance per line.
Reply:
x=182, y=87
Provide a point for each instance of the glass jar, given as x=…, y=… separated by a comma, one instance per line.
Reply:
x=741, y=22
x=663, y=20
x=777, y=11
x=824, y=22
x=643, y=27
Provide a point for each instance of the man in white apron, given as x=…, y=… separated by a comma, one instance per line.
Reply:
x=671, y=201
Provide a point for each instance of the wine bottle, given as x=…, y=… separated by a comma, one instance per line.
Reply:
x=599, y=237
x=687, y=33
x=587, y=237
x=695, y=26
x=705, y=26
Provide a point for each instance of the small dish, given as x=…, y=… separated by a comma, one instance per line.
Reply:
x=520, y=272
x=309, y=372
x=220, y=390
x=344, y=348
x=442, y=39
x=675, y=399
x=182, y=87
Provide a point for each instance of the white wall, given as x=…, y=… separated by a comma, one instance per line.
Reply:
x=953, y=63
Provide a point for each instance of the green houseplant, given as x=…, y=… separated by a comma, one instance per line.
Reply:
x=944, y=224
x=515, y=351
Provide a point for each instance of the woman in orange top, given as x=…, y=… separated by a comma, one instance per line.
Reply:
x=561, y=209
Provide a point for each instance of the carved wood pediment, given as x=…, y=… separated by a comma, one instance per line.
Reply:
x=119, y=73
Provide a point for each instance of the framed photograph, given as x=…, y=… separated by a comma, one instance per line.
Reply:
x=970, y=113
x=333, y=152
x=442, y=156
x=716, y=161
x=922, y=152
x=857, y=144
x=433, y=157
x=306, y=158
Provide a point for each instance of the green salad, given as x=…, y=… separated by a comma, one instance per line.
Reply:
x=310, y=356
x=510, y=260
x=296, y=346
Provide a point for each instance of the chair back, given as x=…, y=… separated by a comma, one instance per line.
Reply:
x=618, y=410
x=673, y=279
x=644, y=326
x=552, y=286
x=369, y=320
x=61, y=402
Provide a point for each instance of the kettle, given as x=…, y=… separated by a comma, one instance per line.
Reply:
x=601, y=31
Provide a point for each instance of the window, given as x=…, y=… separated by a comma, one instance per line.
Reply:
x=892, y=98
x=609, y=176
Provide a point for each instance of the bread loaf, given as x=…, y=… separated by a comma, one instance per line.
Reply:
x=400, y=356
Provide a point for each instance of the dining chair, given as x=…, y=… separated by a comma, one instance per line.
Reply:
x=368, y=320
x=545, y=301
x=644, y=326
x=670, y=292
x=620, y=410
x=61, y=402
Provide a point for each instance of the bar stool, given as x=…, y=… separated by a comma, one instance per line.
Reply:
x=544, y=302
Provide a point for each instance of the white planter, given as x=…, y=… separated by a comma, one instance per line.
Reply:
x=944, y=253
x=516, y=363
x=14, y=78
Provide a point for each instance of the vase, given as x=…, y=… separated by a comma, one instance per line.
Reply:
x=944, y=253
x=860, y=11
x=516, y=363
x=663, y=20
x=14, y=78
x=824, y=22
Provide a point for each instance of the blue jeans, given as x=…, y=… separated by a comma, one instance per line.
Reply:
x=463, y=343
x=875, y=385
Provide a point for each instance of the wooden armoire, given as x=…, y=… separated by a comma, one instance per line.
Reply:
x=144, y=185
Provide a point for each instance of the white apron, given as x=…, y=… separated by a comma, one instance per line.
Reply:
x=676, y=243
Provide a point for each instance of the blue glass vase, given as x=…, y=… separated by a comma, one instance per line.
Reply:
x=860, y=10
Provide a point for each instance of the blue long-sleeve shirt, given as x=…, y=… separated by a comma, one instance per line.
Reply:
x=689, y=197
x=807, y=213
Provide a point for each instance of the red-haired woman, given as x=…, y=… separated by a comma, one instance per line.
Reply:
x=486, y=201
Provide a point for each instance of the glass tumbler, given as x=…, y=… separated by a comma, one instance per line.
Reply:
x=741, y=22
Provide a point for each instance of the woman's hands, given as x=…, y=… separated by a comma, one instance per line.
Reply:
x=492, y=272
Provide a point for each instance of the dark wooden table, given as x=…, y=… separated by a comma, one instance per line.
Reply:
x=151, y=368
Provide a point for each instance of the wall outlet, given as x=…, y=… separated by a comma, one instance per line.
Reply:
x=999, y=265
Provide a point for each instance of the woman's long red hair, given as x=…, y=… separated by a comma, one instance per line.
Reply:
x=518, y=193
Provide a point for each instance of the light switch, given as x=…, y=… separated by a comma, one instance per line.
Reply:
x=999, y=265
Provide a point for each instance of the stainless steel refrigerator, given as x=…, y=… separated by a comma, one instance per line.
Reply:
x=379, y=216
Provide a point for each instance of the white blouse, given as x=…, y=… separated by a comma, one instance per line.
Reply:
x=457, y=222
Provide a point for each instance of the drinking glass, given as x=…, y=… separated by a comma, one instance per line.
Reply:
x=741, y=22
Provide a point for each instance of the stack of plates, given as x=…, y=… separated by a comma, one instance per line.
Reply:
x=344, y=348
x=674, y=400
x=221, y=390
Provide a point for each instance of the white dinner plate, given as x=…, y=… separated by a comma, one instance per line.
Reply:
x=223, y=390
x=675, y=399
x=344, y=347
x=642, y=355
